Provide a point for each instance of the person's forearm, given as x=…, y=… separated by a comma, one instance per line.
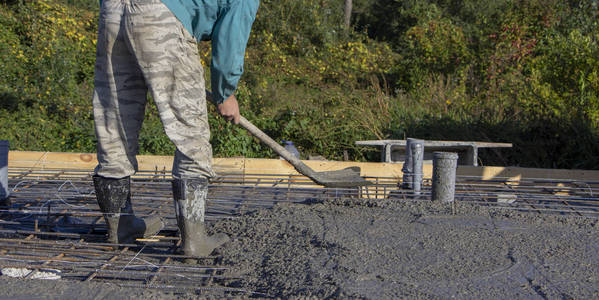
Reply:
x=229, y=40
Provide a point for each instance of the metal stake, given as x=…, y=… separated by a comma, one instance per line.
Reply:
x=4, y=192
x=408, y=166
x=417, y=150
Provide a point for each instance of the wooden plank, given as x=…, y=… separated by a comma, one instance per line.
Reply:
x=88, y=161
x=488, y=173
x=51, y=160
x=493, y=145
x=40, y=160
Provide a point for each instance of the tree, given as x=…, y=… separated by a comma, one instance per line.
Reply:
x=348, y=9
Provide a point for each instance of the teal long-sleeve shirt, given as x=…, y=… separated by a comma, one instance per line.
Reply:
x=227, y=23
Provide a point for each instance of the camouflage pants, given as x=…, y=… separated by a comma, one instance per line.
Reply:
x=142, y=46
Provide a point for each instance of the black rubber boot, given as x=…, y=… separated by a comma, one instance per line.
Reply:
x=190, y=201
x=114, y=199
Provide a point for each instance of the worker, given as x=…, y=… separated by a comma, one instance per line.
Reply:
x=151, y=45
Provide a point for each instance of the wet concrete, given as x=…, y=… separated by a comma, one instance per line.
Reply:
x=388, y=250
x=26, y=289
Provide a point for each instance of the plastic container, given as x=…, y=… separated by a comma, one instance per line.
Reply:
x=291, y=148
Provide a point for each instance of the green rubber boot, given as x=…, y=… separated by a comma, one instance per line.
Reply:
x=190, y=200
x=114, y=199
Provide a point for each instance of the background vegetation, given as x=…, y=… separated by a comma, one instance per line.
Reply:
x=517, y=71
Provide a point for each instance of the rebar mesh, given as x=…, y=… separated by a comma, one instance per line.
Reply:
x=53, y=223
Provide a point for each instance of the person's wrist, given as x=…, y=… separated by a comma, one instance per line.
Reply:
x=231, y=97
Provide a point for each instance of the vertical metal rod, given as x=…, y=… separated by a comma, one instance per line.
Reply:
x=408, y=166
x=4, y=192
x=417, y=150
x=288, y=186
x=444, y=175
x=48, y=224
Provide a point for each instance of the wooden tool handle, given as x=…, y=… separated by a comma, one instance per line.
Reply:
x=292, y=159
x=255, y=131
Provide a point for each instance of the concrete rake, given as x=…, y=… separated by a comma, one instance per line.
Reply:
x=348, y=177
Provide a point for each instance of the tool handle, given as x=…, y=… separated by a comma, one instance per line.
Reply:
x=255, y=131
x=292, y=159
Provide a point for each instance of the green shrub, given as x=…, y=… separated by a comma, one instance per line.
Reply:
x=48, y=56
x=516, y=71
x=567, y=76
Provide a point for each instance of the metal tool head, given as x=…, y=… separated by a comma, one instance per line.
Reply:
x=345, y=178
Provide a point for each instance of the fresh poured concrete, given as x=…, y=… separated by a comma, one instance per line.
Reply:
x=385, y=249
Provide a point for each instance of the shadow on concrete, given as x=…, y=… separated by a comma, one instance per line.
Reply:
x=4, y=199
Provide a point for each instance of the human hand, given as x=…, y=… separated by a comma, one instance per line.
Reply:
x=229, y=110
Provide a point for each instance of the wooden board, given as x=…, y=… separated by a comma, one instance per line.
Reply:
x=87, y=161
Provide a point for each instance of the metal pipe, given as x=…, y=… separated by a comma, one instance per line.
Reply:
x=417, y=150
x=4, y=192
x=444, y=174
x=408, y=166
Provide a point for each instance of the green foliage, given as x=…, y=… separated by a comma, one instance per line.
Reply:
x=519, y=71
x=567, y=76
x=48, y=57
x=529, y=63
x=434, y=47
x=299, y=26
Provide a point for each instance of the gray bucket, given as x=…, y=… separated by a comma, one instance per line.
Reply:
x=4, y=193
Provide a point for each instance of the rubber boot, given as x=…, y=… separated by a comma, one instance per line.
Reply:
x=114, y=199
x=190, y=201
